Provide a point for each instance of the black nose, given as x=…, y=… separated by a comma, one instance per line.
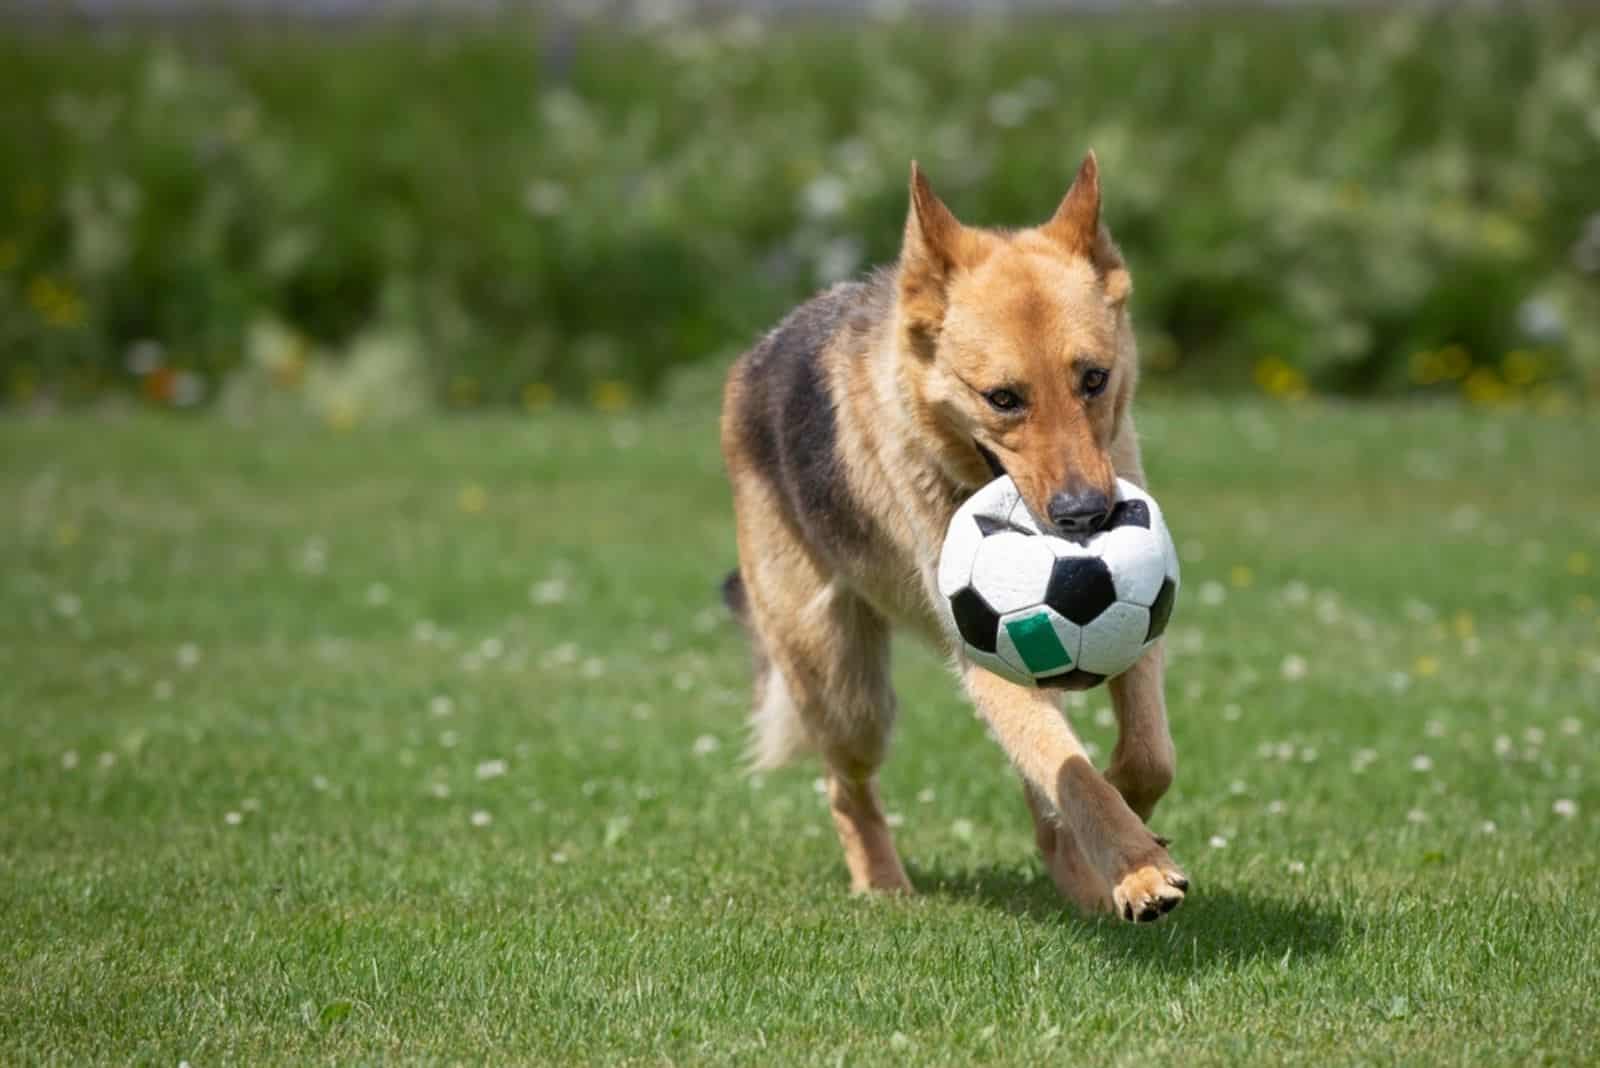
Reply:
x=1080, y=513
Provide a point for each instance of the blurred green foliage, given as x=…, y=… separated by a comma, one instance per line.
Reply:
x=1346, y=203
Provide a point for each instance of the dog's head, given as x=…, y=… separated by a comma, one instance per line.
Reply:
x=1017, y=353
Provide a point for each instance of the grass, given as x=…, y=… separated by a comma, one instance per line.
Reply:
x=257, y=688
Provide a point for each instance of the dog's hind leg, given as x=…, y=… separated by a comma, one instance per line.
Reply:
x=825, y=687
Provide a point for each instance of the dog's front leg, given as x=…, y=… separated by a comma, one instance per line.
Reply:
x=1144, y=881
x=1144, y=760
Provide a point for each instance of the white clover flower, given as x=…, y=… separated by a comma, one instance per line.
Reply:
x=825, y=196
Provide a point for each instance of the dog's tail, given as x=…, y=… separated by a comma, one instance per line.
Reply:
x=776, y=734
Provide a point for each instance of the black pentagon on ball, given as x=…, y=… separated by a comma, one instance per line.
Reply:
x=1076, y=679
x=1080, y=588
x=978, y=623
x=1132, y=513
x=988, y=526
x=1161, y=610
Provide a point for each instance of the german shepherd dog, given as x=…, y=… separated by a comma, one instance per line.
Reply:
x=851, y=434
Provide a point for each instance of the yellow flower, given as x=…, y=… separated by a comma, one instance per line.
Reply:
x=537, y=396
x=1427, y=666
x=1427, y=367
x=1279, y=378
x=1484, y=387
x=611, y=395
x=1465, y=625
x=56, y=303
x=1521, y=367
x=66, y=535
x=1578, y=563
x=1454, y=361
x=1241, y=576
x=473, y=499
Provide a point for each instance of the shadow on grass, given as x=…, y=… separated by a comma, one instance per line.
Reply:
x=1216, y=927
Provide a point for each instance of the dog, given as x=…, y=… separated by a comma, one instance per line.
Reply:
x=853, y=431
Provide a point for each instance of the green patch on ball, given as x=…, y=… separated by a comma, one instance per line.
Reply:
x=1037, y=643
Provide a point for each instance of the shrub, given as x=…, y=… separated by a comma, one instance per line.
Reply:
x=1338, y=203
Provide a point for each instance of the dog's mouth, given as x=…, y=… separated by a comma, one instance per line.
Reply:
x=995, y=467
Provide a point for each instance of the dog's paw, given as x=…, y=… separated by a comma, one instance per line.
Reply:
x=1150, y=890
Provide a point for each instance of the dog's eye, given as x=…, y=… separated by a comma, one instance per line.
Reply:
x=1094, y=381
x=1003, y=400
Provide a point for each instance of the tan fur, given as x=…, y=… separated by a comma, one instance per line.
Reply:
x=904, y=374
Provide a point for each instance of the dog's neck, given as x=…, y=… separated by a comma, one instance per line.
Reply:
x=927, y=485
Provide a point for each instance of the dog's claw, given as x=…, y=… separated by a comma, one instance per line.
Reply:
x=1150, y=892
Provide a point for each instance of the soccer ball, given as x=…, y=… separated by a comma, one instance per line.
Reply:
x=1043, y=610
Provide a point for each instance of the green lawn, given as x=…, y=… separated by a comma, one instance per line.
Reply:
x=424, y=745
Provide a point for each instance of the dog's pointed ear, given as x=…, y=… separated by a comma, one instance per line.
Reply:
x=1076, y=224
x=935, y=245
x=1076, y=228
x=933, y=234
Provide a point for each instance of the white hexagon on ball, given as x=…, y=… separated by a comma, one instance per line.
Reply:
x=1114, y=642
x=1011, y=570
